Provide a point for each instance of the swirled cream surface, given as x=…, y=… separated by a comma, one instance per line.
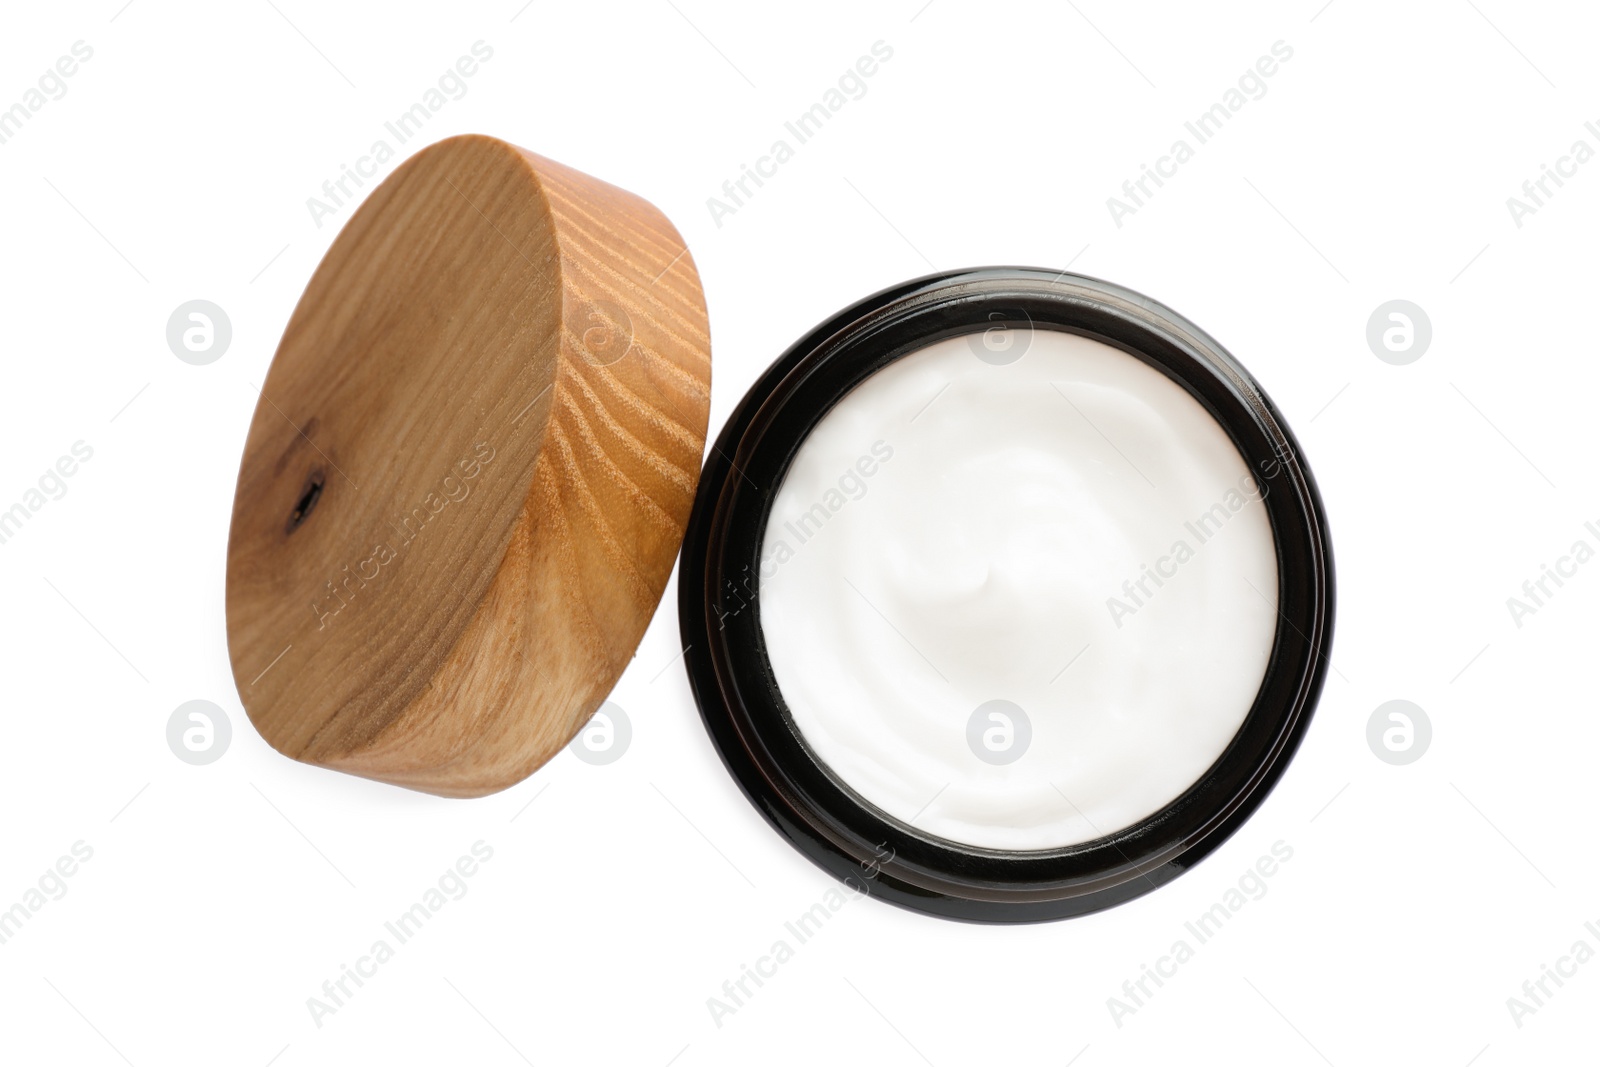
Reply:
x=1019, y=590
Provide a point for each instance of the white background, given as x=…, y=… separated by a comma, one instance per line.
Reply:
x=1377, y=166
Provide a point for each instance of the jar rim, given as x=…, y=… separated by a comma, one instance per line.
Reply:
x=743, y=708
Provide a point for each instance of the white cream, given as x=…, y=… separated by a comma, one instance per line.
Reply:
x=956, y=532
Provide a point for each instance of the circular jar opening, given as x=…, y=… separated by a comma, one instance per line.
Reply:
x=1021, y=604
x=1007, y=595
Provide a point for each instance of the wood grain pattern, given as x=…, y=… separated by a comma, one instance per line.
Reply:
x=469, y=472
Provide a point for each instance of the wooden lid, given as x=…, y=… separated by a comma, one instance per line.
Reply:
x=469, y=472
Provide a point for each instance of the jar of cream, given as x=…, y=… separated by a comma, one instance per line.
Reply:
x=1007, y=595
